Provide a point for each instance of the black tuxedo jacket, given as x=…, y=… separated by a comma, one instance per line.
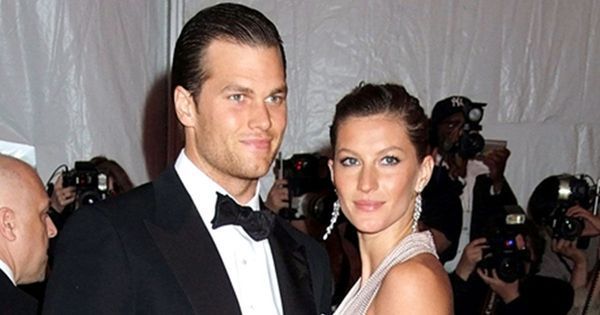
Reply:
x=13, y=301
x=148, y=252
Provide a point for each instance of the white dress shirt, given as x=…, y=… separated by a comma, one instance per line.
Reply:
x=7, y=271
x=249, y=263
x=474, y=169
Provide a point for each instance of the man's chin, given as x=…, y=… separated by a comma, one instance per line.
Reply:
x=255, y=170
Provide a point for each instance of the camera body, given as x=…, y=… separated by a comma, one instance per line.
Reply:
x=572, y=190
x=503, y=253
x=311, y=193
x=90, y=185
x=471, y=142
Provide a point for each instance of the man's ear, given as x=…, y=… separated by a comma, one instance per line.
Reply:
x=185, y=106
x=425, y=171
x=7, y=224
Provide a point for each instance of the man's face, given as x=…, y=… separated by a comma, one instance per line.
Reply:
x=36, y=228
x=449, y=131
x=240, y=113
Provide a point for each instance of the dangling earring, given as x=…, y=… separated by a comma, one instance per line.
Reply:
x=417, y=212
x=334, y=215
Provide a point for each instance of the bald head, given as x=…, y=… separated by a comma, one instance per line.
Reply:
x=24, y=223
x=16, y=176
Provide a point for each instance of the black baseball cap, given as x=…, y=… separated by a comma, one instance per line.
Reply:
x=450, y=106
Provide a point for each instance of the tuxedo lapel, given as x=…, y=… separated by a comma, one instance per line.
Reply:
x=188, y=249
x=292, y=272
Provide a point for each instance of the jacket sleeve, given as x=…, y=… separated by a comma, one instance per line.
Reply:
x=90, y=274
x=487, y=206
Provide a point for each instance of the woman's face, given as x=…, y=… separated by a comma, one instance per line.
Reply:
x=376, y=173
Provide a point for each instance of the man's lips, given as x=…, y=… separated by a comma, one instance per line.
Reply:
x=257, y=143
x=368, y=205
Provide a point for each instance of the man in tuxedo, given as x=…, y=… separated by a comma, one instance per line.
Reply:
x=163, y=247
x=25, y=228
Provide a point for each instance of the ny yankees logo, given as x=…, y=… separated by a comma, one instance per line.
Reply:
x=457, y=101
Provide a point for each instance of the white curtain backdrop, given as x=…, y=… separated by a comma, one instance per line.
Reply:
x=81, y=78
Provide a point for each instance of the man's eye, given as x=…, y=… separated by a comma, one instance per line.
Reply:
x=275, y=99
x=236, y=97
x=390, y=160
x=348, y=161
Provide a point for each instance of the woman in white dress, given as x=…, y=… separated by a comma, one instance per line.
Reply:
x=379, y=167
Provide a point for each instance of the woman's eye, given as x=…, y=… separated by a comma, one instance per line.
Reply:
x=349, y=161
x=390, y=160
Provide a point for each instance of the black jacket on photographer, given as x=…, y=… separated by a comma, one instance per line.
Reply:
x=538, y=295
x=447, y=204
x=443, y=211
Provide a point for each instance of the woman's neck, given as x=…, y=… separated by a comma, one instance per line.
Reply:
x=374, y=248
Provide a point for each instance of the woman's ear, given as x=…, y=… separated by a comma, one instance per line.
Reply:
x=425, y=171
x=185, y=106
x=7, y=224
x=330, y=165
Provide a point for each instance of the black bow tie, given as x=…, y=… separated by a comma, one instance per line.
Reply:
x=257, y=224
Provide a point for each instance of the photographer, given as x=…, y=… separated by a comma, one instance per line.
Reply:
x=561, y=205
x=488, y=280
x=302, y=193
x=65, y=198
x=467, y=185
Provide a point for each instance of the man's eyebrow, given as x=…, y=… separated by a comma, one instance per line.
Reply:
x=281, y=89
x=237, y=88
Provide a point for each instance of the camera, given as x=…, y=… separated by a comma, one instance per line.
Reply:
x=90, y=185
x=311, y=193
x=503, y=253
x=572, y=190
x=471, y=142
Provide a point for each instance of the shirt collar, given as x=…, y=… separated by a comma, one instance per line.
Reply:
x=203, y=189
x=7, y=271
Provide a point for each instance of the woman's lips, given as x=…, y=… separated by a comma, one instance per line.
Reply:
x=368, y=205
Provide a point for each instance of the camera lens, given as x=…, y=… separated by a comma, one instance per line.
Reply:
x=89, y=197
x=569, y=228
x=510, y=269
x=470, y=144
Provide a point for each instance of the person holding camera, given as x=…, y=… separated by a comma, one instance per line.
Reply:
x=467, y=184
x=561, y=205
x=496, y=274
x=66, y=195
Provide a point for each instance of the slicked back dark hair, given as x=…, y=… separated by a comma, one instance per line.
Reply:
x=390, y=99
x=236, y=23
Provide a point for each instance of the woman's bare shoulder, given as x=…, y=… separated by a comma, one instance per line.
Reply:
x=419, y=285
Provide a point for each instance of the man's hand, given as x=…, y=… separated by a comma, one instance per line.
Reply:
x=496, y=162
x=568, y=249
x=62, y=196
x=277, y=198
x=508, y=291
x=592, y=222
x=472, y=254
